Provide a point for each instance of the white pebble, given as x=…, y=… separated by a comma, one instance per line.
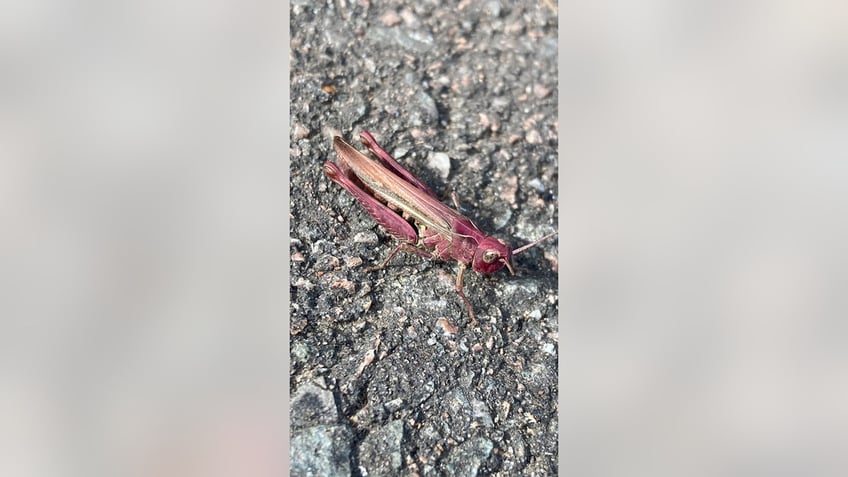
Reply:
x=440, y=162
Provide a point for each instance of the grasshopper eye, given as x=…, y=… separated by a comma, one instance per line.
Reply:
x=490, y=256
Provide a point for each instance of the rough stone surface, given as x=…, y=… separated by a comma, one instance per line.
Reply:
x=311, y=405
x=321, y=450
x=473, y=81
x=466, y=458
x=380, y=453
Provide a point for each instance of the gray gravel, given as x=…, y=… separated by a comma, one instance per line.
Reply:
x=388, y=375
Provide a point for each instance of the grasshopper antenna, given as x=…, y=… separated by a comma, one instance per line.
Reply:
x=525, y=247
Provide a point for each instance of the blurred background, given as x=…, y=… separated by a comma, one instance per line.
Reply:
x=143, y=255
x=142, y=196
x=703, y=283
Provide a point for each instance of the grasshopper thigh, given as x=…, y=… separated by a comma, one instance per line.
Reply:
x=386, y=217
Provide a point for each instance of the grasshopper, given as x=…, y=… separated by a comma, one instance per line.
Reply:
x=412, y=213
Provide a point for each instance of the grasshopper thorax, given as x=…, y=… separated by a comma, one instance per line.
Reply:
x=491, y=255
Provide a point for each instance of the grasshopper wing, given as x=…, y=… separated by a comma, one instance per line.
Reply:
x=368, y=141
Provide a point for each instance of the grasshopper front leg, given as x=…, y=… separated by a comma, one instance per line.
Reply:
x=406, y=247
x=459, y=276
x=402, y=247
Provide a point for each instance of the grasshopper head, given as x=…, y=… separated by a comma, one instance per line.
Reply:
x=491, y=255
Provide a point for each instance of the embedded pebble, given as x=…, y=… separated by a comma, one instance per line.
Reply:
x=326, y=263
x=390, y=18
x=297, y=326
x=448, y=327
x=537, y=184
x=393, y=405
x=344, y=284
x=502, y=217
x=300, y=132
x=412, y=40
x=409, y=18
x=429, y=111
x=439, y=162
x=553, y=260
x=510, y=188
x=353, y=261
x=493, y=8
x=533, y=137
x=369, y=238
x=540, y=91
x=400, y=151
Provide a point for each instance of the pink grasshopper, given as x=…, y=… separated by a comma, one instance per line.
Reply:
x=412, y=213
